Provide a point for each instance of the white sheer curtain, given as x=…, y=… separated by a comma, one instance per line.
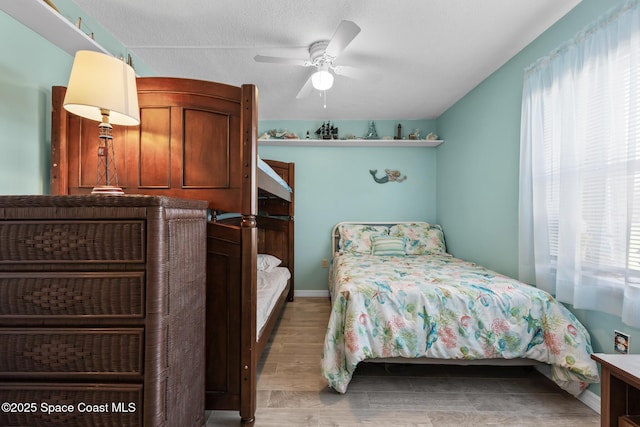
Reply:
x=580, y=169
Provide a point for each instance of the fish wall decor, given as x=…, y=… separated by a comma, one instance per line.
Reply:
x=391, y=176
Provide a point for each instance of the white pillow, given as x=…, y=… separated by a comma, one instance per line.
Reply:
x=267, y=262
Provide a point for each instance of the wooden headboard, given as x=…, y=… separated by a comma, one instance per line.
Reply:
x=188, y=128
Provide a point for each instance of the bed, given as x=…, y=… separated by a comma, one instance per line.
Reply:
x=397, y=295
x=198, y=140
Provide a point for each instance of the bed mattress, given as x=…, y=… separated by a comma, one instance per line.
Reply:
x=438, y=306
x=270, y=285
x=263, y=166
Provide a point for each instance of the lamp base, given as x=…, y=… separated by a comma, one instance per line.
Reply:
x=107, y=189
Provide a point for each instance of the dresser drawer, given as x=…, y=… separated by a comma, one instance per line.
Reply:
x=67, y=296
x=33, y=242
x=81, y=353
x=71, y=405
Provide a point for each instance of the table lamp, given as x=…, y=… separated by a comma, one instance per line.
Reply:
x=103, y=88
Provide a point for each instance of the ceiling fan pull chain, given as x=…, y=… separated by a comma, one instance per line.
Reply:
x=324, y=94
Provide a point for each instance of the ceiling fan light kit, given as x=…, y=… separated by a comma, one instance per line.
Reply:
x=322, y=79
x=322, y=55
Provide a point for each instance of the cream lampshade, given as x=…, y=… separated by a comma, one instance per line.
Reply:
x=103, y=88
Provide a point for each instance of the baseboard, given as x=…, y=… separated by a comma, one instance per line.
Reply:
x=312, y=294
x=587, y=397
x=590, y=399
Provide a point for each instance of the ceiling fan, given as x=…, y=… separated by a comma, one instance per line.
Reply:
x=322, y=54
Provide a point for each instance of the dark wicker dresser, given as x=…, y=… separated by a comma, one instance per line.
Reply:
x=102, y=311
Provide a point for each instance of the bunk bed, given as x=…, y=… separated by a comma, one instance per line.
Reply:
x=198, y=140
x=398, y=297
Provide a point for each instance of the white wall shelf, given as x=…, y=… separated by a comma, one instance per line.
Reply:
x=349, y=143
x=44, y=20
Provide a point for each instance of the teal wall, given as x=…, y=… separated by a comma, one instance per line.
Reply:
x=333, y=184
x=477, y=178
x=25, y=106
x=29, y=66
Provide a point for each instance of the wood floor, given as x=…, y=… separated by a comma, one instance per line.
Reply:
x=291, y=391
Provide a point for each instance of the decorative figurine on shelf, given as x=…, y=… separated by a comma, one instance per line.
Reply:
x=308, y=137
x=399, y=135
x=372, y=133
x=415, y=134
x=326, y=131
x=278, y=134
x=334, y=132
x=390, y=176
x=432, y=136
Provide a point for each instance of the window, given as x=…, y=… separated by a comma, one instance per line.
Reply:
x=580, y=168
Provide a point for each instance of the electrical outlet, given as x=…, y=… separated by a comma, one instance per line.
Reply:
x=621, y=342
x=325, y=263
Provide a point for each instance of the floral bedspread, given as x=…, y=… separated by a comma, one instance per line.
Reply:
x=439, y=306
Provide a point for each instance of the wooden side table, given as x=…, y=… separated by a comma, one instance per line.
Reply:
x=620, y=387
x=629, y=421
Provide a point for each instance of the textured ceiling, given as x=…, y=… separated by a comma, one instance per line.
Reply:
x=427, y=53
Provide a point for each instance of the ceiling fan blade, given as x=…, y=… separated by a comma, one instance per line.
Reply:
x=281, y=60
x=344, y=34
x=356, y=73
x=305, y=90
